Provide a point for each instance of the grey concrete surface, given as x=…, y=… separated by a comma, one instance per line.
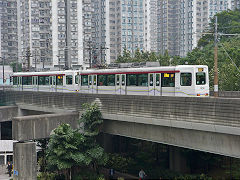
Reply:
x=206, y=124
x=40, y=126
x=3, y=171
x=217, y=143
x=8, y=112
x=25, y=161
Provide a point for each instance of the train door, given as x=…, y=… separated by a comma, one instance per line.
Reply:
x=123, y=84
x=118, y=84
x=59, y=83
x=52, y=82
x=168, y=84
x=35, y=83
x=19, y=86
x=94, y=84
x=90, y=84
x=154, y=84
x=151, y=84
x=158, y=88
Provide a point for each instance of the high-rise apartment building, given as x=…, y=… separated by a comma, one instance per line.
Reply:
x=182, y=22
x=235, y=4
x=8, y=31
x=168, y=26
x=55, y=33
x=75, y=33
x=34, y=32
x=121, y=25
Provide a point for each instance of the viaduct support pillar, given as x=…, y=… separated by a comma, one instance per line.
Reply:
x=177, y=162
x=107, y=142
x=25, y=161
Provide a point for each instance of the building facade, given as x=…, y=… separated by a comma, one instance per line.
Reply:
x=8, y=31
x=62, y=34
x=54, y=33
x=181, y=23
x=121, y=25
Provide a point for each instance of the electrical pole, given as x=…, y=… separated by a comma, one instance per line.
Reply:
x=90, y=54
x=28, y=55
x=3, y=61
x=216, y=60
x=35, y=60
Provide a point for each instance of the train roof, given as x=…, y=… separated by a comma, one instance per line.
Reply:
x=161, y=69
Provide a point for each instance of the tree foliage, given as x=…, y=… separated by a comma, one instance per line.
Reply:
x=228, y=51
x=69, y=148
x=145, y=56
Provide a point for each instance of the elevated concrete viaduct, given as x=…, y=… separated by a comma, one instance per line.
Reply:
x=205, y=124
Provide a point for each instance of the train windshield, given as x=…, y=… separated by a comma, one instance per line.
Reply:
x=200, y=78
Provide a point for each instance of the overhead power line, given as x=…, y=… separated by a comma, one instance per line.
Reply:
x=229, y=57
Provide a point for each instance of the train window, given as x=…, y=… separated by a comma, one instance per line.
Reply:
x=111, y=80
x=132, y=80
x=41, y=80
x=118, y=80
x=200, y=78
x=102, y=80
x=123, y=79
x=27, y=80
x=157, y=79
x=94, y=79
x=84, y=80
x=151, y=80
x=168, y=80
x=59, y=80
x=69, y=79
x=47, y=80
x=77, y=79
x=142, y=80
x=14, y=80
x=54, y=80
x=186, y=79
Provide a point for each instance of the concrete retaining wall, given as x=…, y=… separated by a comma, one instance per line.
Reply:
x=8, y=112
x=40, y=126
x=206, y=124
x=217, y=111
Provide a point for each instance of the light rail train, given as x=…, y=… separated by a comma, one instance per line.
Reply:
x=182, y=80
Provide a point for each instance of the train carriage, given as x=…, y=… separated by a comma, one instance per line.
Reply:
x=182, y=80
x=52, y=81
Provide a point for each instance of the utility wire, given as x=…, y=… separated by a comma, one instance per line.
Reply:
x=229, y=57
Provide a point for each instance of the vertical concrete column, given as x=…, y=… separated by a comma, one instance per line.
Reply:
x=24, y=161
x=108, y=142
x=0, y=131
x=5, y=159
x=177, y=162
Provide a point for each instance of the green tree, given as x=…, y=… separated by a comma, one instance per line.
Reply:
x=126, y=57
x=65, y=150
x=137, y=56
x=228, y=23
x=92, y=120
x=69, y=149
x=42, y=143
x=14, y=65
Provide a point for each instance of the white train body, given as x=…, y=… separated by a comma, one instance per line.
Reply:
x=183, y=80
